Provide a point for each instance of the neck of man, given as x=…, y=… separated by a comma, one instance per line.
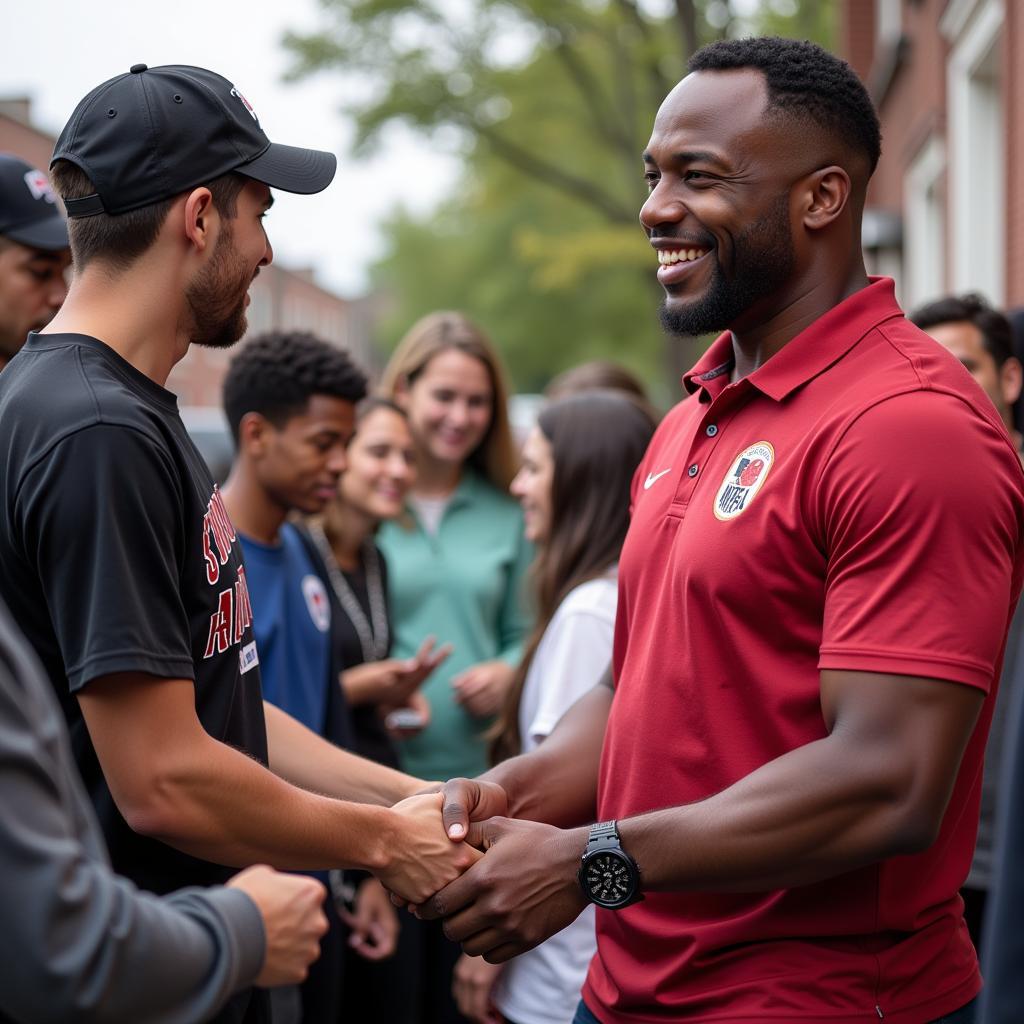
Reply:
x=434, y=478
x=759, y=334
x=348, y=529
x=252, y=510
x=130, y=312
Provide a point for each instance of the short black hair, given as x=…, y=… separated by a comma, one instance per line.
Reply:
x=277, y=372
x=996, y=332
x=806, y=81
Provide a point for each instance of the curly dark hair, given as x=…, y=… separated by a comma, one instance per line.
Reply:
x=996, y=332
x=804, y=81
x=277, y=372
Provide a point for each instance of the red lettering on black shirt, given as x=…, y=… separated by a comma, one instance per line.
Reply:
x=243, y=609
x=220, y=625
x=212, y=566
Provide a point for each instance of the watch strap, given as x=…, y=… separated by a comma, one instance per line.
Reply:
x=604, y=830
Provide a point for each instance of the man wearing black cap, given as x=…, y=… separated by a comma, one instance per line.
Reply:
x=33, y=253
x=116, y=550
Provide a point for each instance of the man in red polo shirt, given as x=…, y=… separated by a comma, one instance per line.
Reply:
x=814, y=596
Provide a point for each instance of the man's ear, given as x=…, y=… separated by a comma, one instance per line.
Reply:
x=200, y=218
x=825, y=193
x=1011, y=380
x=254, y=432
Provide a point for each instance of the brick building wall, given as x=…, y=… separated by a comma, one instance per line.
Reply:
x=1014, y=51
x=944, y=76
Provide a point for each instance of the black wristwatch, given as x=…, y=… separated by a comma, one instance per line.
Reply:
x=608, y=875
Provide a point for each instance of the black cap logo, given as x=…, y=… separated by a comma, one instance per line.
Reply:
x=39, y=185
x=245, y=103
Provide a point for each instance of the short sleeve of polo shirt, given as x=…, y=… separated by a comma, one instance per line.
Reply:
x=100, y=520
x=919, y=511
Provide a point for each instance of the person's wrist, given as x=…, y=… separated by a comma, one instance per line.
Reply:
x=572, y=848
x=387, y=839
x=416, y=787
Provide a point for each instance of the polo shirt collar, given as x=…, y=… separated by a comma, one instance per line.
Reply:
x=813, y=350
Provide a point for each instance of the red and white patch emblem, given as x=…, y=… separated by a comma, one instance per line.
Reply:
x=245, y=103
x=39, y=185
x=745, y=478
x=319, y=607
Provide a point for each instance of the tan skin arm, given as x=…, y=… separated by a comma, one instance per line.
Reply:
x=307, y=760
x=556, y=783
x=876, y=786
x=173, y=782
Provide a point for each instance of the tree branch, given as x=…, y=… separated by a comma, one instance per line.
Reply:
x=552, y=175
x=686, y=15
x=657, y=80
x=604, y=120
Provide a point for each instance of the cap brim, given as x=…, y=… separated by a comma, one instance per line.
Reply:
x=292, y=169
x=50, y=233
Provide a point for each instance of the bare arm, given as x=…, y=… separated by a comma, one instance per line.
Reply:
x=556, y=783
x=877, y=786
x=174, y=782
x=305, y=759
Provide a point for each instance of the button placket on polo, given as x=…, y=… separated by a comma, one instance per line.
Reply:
x=710, y=430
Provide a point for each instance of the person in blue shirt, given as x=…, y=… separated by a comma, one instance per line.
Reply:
x=290, y=402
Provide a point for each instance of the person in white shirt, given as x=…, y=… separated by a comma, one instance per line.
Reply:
x=574, y=489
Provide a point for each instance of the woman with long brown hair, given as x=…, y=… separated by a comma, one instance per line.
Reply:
x=574, y=484
x=457, y=563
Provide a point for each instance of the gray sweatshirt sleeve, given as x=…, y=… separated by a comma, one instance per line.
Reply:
x=76, y=941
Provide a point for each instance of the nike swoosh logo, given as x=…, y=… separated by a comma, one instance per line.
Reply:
x=653, y=478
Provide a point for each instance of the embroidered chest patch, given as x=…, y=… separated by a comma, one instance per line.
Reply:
x=745, y=478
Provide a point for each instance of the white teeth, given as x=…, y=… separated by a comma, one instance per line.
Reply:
x=667, y=258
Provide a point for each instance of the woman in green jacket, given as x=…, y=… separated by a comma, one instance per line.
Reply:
x=457, y=563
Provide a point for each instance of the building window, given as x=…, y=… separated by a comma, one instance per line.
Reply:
x=977, y=155
x=888, y=23
x=925, y=226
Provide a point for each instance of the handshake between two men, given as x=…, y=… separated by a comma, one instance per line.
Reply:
x=516, y=838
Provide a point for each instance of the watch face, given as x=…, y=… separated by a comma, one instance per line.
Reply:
x=608, y=878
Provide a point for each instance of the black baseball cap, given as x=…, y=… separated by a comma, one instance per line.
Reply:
x=28, y=207
x=154, y=133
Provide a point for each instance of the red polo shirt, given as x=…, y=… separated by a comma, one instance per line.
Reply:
x=854, y=503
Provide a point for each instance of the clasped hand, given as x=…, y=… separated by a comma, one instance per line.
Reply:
x=520, y=892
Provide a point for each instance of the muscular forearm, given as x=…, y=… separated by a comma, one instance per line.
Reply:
x=220, y=805
x=305, y=759
x=557, y=782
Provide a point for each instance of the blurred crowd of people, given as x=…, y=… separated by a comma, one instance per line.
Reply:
x=416, y=585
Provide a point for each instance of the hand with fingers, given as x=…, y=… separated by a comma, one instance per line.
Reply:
x=419, y=858
x=373, y=925
x=391, y=681
x=473, y=981
x=468, y=800
x=521, y=892
x=293, y=921
x=481, y=689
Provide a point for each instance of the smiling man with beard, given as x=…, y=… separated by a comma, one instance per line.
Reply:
x=117, y=554
x=824, y=555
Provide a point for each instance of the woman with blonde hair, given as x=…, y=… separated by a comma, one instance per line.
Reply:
x=458, y=560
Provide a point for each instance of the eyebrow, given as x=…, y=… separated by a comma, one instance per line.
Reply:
x=691, y=156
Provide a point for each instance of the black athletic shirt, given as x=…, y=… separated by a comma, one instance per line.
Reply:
x=116, y=555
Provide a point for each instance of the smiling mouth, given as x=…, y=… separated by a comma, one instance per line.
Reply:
x=669, y=257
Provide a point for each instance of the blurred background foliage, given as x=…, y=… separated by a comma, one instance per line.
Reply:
x=550, y=104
